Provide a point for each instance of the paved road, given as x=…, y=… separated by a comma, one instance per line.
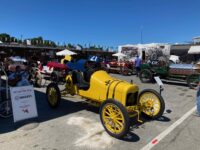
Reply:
x=76, y=125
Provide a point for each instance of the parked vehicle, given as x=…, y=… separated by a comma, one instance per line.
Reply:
x=53, y=70
x=188, y=73
x=118, y=100
x=124, y=68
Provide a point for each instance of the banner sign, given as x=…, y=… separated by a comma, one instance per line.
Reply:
x=23, y=103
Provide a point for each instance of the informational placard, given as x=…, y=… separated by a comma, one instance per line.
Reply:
x=23, y=103
x=159, y=82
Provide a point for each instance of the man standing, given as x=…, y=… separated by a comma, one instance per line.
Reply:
x=198, y=100
x=138, y=62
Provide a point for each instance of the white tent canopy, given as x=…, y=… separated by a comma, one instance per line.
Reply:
x=194, y=50
x=65, y=52
x=18, y=58
x=119, y=55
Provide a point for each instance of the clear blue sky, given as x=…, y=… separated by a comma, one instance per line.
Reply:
x=104, y=22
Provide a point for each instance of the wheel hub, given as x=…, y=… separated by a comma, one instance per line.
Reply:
x=151, y=104
x=52, y=96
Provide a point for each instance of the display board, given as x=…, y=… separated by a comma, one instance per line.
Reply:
x=23, y=103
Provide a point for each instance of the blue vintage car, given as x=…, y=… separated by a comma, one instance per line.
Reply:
x=79, y=65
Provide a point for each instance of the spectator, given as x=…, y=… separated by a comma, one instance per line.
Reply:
x=138, y=62
x=18, y=78
x=198, y=100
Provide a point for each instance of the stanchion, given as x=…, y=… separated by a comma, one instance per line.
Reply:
x=131, y=81
x=161, y=89
x=159, y=82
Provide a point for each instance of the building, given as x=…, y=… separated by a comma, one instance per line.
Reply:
x=196, y=40
x=43, y=53
x=146, y=50
x=182, y=50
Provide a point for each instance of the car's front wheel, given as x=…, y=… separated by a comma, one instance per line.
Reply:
x=152, y=103
x=193, y=80
x=115, y=118
x=53, y=95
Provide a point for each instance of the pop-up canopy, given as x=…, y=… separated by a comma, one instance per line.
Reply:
x=194, y=50
x=119, y=55
x=65, y=52
x=18, y=58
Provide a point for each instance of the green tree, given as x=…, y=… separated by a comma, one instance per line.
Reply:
x=4, y=37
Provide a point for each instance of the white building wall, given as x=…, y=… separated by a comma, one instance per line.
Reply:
x=145, y=47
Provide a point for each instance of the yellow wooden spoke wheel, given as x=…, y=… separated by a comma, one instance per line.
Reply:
x=114, y=118
x=53, y=95
x=69, y=87
x=152, y=103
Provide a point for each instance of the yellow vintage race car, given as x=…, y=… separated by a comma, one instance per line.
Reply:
x=118, y=100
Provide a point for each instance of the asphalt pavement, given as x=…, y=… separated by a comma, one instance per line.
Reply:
x=76, y=125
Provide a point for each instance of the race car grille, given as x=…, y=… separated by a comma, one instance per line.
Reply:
x=131, y=99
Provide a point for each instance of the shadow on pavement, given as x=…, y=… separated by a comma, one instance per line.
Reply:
x=131, y=137
x=136, y=125
x=183, y=84
x=45, y=113
x=66, y=107
x=163, y=119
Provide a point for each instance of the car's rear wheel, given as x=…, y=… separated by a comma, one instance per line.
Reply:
x=54, y=77
x=152, y=103
x=146, y=76
x=43, y=82
x=115, y=118
x=40, y=81
x=193, y=81
x=53, y=95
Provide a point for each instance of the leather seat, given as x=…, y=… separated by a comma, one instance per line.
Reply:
x=78, y=79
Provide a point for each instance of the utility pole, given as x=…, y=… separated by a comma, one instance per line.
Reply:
x=22, y=39
x=141, y=34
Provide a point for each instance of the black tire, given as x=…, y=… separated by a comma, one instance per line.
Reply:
x=192, y=81
x=124, y=73
x=57, y=92
x=123, y=112
x=54, y=77
x=146, y=76
x=161, y=101
x=41, y=83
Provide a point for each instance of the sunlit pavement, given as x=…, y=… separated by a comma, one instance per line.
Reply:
x=76, y=125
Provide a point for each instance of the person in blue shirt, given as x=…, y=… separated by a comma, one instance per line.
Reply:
x=198, y=99
x=138, y=63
